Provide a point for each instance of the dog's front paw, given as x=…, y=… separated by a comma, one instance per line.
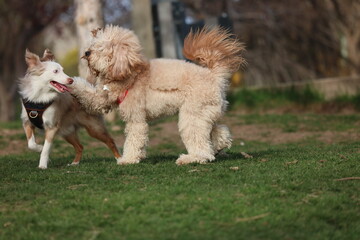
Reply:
x=42, y=167
x=35, y=147
x=79, y=84
x=184, y=159
x=187, y=159
x=126, y=161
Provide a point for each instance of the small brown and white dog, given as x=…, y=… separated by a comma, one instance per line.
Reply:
x=143, y=90
x=48, y=105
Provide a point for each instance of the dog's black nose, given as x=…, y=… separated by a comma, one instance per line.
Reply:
x=87, y=53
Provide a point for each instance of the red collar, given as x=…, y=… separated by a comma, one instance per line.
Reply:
x=121, y=98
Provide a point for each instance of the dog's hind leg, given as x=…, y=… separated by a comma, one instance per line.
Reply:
x=73, y=139
x=99, y=132
x=220, y=137
x=30, y=135
x=195, y=129
x=135, y=143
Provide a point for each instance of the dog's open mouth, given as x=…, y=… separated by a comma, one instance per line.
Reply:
x=60, y=87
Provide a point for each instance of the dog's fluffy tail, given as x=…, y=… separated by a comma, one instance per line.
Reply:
x=214, y=48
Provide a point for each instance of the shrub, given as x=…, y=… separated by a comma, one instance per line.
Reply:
x=70, y=62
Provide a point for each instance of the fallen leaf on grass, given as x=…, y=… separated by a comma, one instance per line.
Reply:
x=75, y=172
x=322, y=161
x=293, y=162
x=308, y=197
x=94, y=234
x=348, y=178
x=342, y=157
x=251, y=218
x=194, y=170
x=234, y=168
x=264, y=160
x=7, y=224
x=73, y=187
x=245, y=155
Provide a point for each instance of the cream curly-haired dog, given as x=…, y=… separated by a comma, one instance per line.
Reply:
x=143, y=90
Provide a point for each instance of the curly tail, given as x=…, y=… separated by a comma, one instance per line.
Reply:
x=214, y=48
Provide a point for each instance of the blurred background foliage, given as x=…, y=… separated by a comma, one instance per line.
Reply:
x=70, y=62
x=288, y=42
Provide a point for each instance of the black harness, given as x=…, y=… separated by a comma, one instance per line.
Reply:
x=35, y=112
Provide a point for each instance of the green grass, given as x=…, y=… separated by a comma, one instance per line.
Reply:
x=264, y=99
x=270, y=98
x=305, y=122
x=286, y=191
x=344, y=100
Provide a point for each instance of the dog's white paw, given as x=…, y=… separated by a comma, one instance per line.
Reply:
x=35, y=147
x=73, y=164
x=126, y=161
x=187, y=159
x=42, y=167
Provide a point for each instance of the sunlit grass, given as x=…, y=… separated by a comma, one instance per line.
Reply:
x=285, y=191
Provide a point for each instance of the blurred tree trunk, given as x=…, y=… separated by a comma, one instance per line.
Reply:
x=343, y=20
x=11, y=64
x=89, y=16
x=141, y=20
x=19, y=22
x=167, y=29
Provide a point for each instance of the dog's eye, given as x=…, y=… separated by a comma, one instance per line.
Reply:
x=87, y=53
x=56, y=71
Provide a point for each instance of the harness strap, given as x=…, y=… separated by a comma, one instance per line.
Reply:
x=35, y=112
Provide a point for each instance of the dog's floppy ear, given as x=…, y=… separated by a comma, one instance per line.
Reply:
x=32, y=60
x=120, y=63
x=124, y=61
x=47, y=56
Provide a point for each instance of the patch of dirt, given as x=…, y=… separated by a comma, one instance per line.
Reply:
x=161, y=133
x=6, y=132
x=14, y=147
x=317, y=108
x=167, y=132
x=333, y=137
x=262, y=133
x=9, y=145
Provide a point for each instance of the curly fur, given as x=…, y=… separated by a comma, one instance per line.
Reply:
x=214, y=48
x=163, y=87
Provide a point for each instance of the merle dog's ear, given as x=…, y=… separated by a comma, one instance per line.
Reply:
x=94, y=31
x=32, y=60
x=47, y=56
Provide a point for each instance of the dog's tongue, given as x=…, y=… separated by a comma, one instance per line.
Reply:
x=62, y=88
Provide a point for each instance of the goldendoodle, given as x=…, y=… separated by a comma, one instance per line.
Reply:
x=144, y=89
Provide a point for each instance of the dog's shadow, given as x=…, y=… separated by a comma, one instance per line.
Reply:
x=154, y=159
x=226, y=156
x=231, y=156
x=161, y=158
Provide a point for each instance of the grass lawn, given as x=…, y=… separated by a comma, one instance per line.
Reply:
x=291, y=188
